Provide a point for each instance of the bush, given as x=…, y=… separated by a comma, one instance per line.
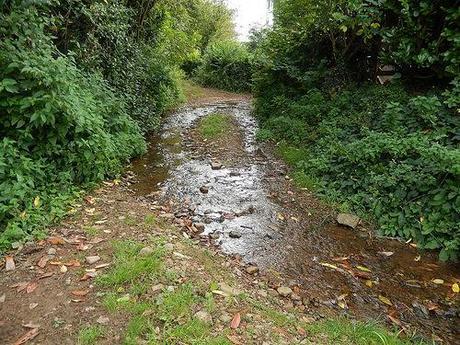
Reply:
x=226, y=65
x=384, y=152
x=60, y=127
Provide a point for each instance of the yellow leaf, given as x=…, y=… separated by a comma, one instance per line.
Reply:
x=369, y=283
x=438, y=281
x=37, y=201
x=385, y=300
x=375, y=25
x=455, y=288
x=362, y=268
x=280, y=216
x=328, y=265
x=342, y=304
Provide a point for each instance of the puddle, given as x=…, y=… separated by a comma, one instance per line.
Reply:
x=249, y=210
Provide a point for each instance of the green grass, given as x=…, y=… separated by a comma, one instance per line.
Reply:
x=343, y=331
x=91, y=231
x=89, y=335
x=214, y=126
x=129, y=266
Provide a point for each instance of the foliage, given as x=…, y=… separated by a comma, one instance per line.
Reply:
x=391, y=151
x=226, y=65
x=61, y=127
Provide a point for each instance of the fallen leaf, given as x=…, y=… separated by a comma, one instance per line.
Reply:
x=26, y=337
x=235, y=321
x=325, y=264
x=88, y=275
x=342, y=304
x=394, y=320
x=221, y=293
x=46, y=275
x=364, y=269
x=342, y=258
x=369, y=283
x=96, y=240
x=55, y=240
x=9, y=263
x=31, y=325
x=79, y=293
x=43, y=261
x=417, y=258
x=31, y=287
x=385, y=300
x=438, y=281
x=432, y=306
x=280, y=217
x=455, y=288
x=37, y=202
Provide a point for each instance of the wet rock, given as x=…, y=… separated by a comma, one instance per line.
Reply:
x=146, y=251
x=284, y=291
x=204, y=316
x=199, y=226
x=348, y=220
x=204, y=189
x=252, y=269
x=92, y=259
x=51, y=251
x=234, y=234
x=216, y=165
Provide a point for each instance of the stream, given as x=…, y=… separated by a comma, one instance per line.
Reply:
x=249, y=208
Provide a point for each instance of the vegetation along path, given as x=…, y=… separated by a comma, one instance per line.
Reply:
x=205, y=240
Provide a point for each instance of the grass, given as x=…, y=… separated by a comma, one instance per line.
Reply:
x=89, y=335
x=91, y=231
x=192, y=90
x=343, y=331
x=214, y=126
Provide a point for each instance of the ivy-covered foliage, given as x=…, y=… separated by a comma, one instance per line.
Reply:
x=79, y=83
x=391, y=151
x=226, y=65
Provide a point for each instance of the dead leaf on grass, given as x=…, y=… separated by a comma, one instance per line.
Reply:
x=235, y=321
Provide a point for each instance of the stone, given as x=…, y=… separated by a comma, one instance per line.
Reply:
x=199, y=226
x=234, y=234
x=146, y=251
x=92, y=259
x=204, y=189
x=348, y=220
x=295, y=297
x=169, y=247
x=204, y=316
x=284, y=291
x=252, y=269
x=157, y=288
x=103, y=320
x=51, y=251
x=235, y=173
x=216, y=165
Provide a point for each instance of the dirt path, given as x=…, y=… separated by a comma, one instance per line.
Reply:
x=140, y=260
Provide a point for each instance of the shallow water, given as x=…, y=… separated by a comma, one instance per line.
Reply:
x=251, y=211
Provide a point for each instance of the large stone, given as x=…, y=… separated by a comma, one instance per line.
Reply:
x=204, y=316
x=234, y=234
x=348, y=220
x=252, y=269
x=284, y=291
x=216, y=165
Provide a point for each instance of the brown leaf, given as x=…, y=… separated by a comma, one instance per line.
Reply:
x=80, y=292
x=46, y=275
x=394, y=320
x=235, y=321
x=27, y=336
x=31, y=286
x=43, y=261
x=56, y=240
x=9, y=263
x=88, y=275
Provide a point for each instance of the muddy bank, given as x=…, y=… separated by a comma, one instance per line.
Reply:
x=249, y=208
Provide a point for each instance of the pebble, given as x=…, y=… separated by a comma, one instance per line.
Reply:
x=103, y=320
x=284, y=291
x=234, y=234
x=169, y=247
x=216, y=165
x=92, y=259
x=204, y=189
x=252, y=269
x=146, y=251
x=199, y=226
x=204, y=316
x=51, y=251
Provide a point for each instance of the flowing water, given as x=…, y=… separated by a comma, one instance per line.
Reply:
x=250, y=209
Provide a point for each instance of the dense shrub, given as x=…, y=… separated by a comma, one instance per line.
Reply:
x=392, y=152
x=59, y=127
x=226, y=65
